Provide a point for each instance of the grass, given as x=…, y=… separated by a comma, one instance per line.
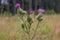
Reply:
x=4, y=36
x=49, y=29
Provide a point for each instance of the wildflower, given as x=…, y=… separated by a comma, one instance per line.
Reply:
x=17, y=5
x=30, y=12
x=41, y=10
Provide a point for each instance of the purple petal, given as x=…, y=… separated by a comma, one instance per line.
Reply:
x=30, y=12
x=17, y=5
x=41, y=10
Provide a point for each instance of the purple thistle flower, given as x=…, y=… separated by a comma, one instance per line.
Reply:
x=41, y=10
x=30, y=12
x=17, y=5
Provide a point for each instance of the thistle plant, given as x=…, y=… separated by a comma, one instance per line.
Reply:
x=27, y=20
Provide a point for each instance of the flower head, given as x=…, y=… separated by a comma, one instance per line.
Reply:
x=41, y=10
x=17, y=5
x=30, y=12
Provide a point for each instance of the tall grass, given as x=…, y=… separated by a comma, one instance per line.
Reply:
x=15, y=32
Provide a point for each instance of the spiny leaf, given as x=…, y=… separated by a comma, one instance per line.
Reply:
x=22, y=12
x=22, y=24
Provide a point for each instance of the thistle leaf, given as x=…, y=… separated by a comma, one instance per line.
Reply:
x=22, y=24
x=22, y=12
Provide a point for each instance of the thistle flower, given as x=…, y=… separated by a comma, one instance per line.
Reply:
x=17, y=5
x=30, y=12
x=41, y=10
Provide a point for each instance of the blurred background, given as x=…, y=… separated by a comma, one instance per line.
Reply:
x=30, y=5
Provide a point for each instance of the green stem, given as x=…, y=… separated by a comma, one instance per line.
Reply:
x=29, y=36
x=35, y=31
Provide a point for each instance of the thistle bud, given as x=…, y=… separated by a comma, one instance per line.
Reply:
x=29, y=19
x=39, y=18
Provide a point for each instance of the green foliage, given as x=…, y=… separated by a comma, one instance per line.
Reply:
x=51, y=12
x=39, y=18
x=4, y=36
x=16, y=36
x=45, y=29
x=5, y=14
x=21, y=11
x=22, y=24
x=27, y=20
x=58, y=35
x=24, y=27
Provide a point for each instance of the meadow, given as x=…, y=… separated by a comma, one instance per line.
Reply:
x=49, y=29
